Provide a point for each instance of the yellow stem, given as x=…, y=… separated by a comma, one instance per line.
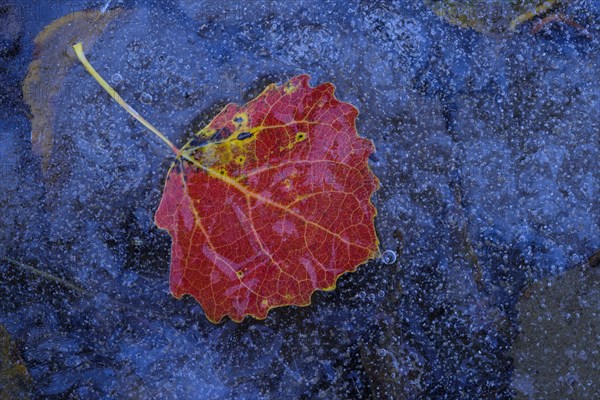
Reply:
x=79, y=51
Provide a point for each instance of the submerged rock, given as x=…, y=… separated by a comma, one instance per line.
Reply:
x=556, y=354
x=53, y=60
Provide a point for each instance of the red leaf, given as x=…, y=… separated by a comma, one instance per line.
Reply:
x=270, y=202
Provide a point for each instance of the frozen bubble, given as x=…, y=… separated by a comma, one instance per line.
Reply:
x=145, y=98
x=115, y=79
x=388, y=257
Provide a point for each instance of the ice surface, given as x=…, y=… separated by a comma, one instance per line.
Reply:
x=487, y=149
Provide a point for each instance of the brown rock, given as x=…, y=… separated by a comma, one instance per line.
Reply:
x=15, y=382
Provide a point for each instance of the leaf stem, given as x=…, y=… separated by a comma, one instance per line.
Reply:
x=526, y=16
x=78, y=47
x=44, y=274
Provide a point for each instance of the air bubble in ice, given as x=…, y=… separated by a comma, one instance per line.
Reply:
x=388, y=257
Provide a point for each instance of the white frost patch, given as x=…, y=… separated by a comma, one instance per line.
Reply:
x=176, y=278
x=523, y=384
x=285, y=227
x=251, y=284
x=240, y=303
x=215, y=277
x=189, y=220
x=310, y=270
x=226, y=266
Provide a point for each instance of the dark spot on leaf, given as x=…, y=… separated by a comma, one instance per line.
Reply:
x=244, y=135
x=198, y=141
